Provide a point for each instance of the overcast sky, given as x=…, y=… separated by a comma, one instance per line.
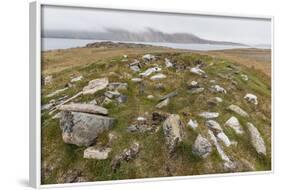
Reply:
x=242, y=30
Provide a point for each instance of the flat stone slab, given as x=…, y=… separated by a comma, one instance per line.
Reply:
x=95, y=85
x=85, y=108
x=96, y=153
x=238, y=110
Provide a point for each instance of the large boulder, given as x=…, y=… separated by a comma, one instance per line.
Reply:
x=82, y=129
x=256, y=139
x=173, y=131
x=201, y=147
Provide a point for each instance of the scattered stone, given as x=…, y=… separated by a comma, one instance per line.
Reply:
x=193, y=84
x=222, y=137
x=150, y=96
x=163, y=103
x=168, y=63
x=136, y=80
x=112, y=94
x=218, y=89
x=150, y=71
x=213, y=126
x=170, y=95
x=76, y=79
x=115, y=86
x=201, y=147
x=126, y=155
x=197, y=71
x=256, y=139
x=192, y=124
x=96, y=153
x=47, y=79
x=196, y=90
x=173, y=132
x=238, y=110
x=85, y=108
x=244, y=77
x=122, y=99
x=209, y=115
x=158, y=76
x=234, y=123
x=82, y=129
x=149, y=57
x=95, y=85
x=218, y=99
x=223, y=156
x=251, y=98
x=56, y=92
x=125, y=56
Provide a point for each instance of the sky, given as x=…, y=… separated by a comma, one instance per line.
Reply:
x=242, y=30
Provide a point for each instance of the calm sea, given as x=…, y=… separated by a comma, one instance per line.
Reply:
x=63, y=43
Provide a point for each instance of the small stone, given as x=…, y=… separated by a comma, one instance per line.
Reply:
x=150, y=96
x=96, y=153
x=170, y=95
x=168, y=63
x=238, y=110
x=198, y=71
x=209, y=115
x=201, y=147
x=251, y=98
x=48, y=79
x=244, y=77
x=218, y=99
x=158, y=76
x=234, y=123
x=115, y=86
x=222, y=136
x=150, y=71
x=163, y=103
x=193, y=124
x=218, y=89
x=196, y=90
x=213, y=126
x=112, y=94
x=76, y=79
x=136, y=80
x=256, y=139
x=149, y=57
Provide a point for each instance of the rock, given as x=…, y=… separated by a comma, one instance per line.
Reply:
x=201, y=147
x=82, y=129
x=251, y=98
x=238, y=110
x=125, y=56
x=112, y=94
x=209, y=115
x=150, y=96
x=168, y=63
x=112, y=137
x=95, y=85
x=85, y=108
x=192, y=124
x=194, y=84
x=93, y=102
x=150, y=71
x=234, y=123
x=47, y=106
x=170, y=95
x=136, y=80
x=126, y=155
x=115, y=86
x=57, y=116
x=149, y=57
x=159, y=117
x=96, y=153
x=163, y=103
x=47, y=79
x=122, y=99
x=197, y=71
x=256, y=139
x=56, y=92
x=222, y=137
x=158, y=76
x=218, y=99
x=213, y=126
x=218, y=89
x=244, y=77
x=173, y=132
x=135, y=68
x=76, y=79
x=196, y=90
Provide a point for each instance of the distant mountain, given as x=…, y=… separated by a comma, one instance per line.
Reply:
x=150, y=35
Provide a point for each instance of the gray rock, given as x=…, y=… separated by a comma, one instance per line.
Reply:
x=218, y=89
x=170, y=95
x=76, y=79
x=256, y=139
x=213, y=126
x=112, y=94
x=95, y=85
x=85, y=108
x=150, y=71
x=82, y=129
x=193, y=124
x=96, y=153
x=149, y=57
x=251, y=98
x=127, y=155
x=244, y=77
x=209, y=115
x=56, y=92
x=135, y=68
x=238, y=110
x=196, y=90
x=173, y=132
x=201, y=147
x=47, y=79
x=136, y=80
x=158, y=76
x=168, y=63
x=234, y=123
x=115, y=86
x=197, y=71
x=163, y=103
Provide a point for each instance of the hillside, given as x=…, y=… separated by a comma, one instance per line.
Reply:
x=160, y=112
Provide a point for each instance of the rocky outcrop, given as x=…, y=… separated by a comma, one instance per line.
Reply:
x=256, y=139
x=82, y=129
x=201, y=147
x=173, y=132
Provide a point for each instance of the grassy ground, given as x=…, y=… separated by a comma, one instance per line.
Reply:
x=153, y=160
